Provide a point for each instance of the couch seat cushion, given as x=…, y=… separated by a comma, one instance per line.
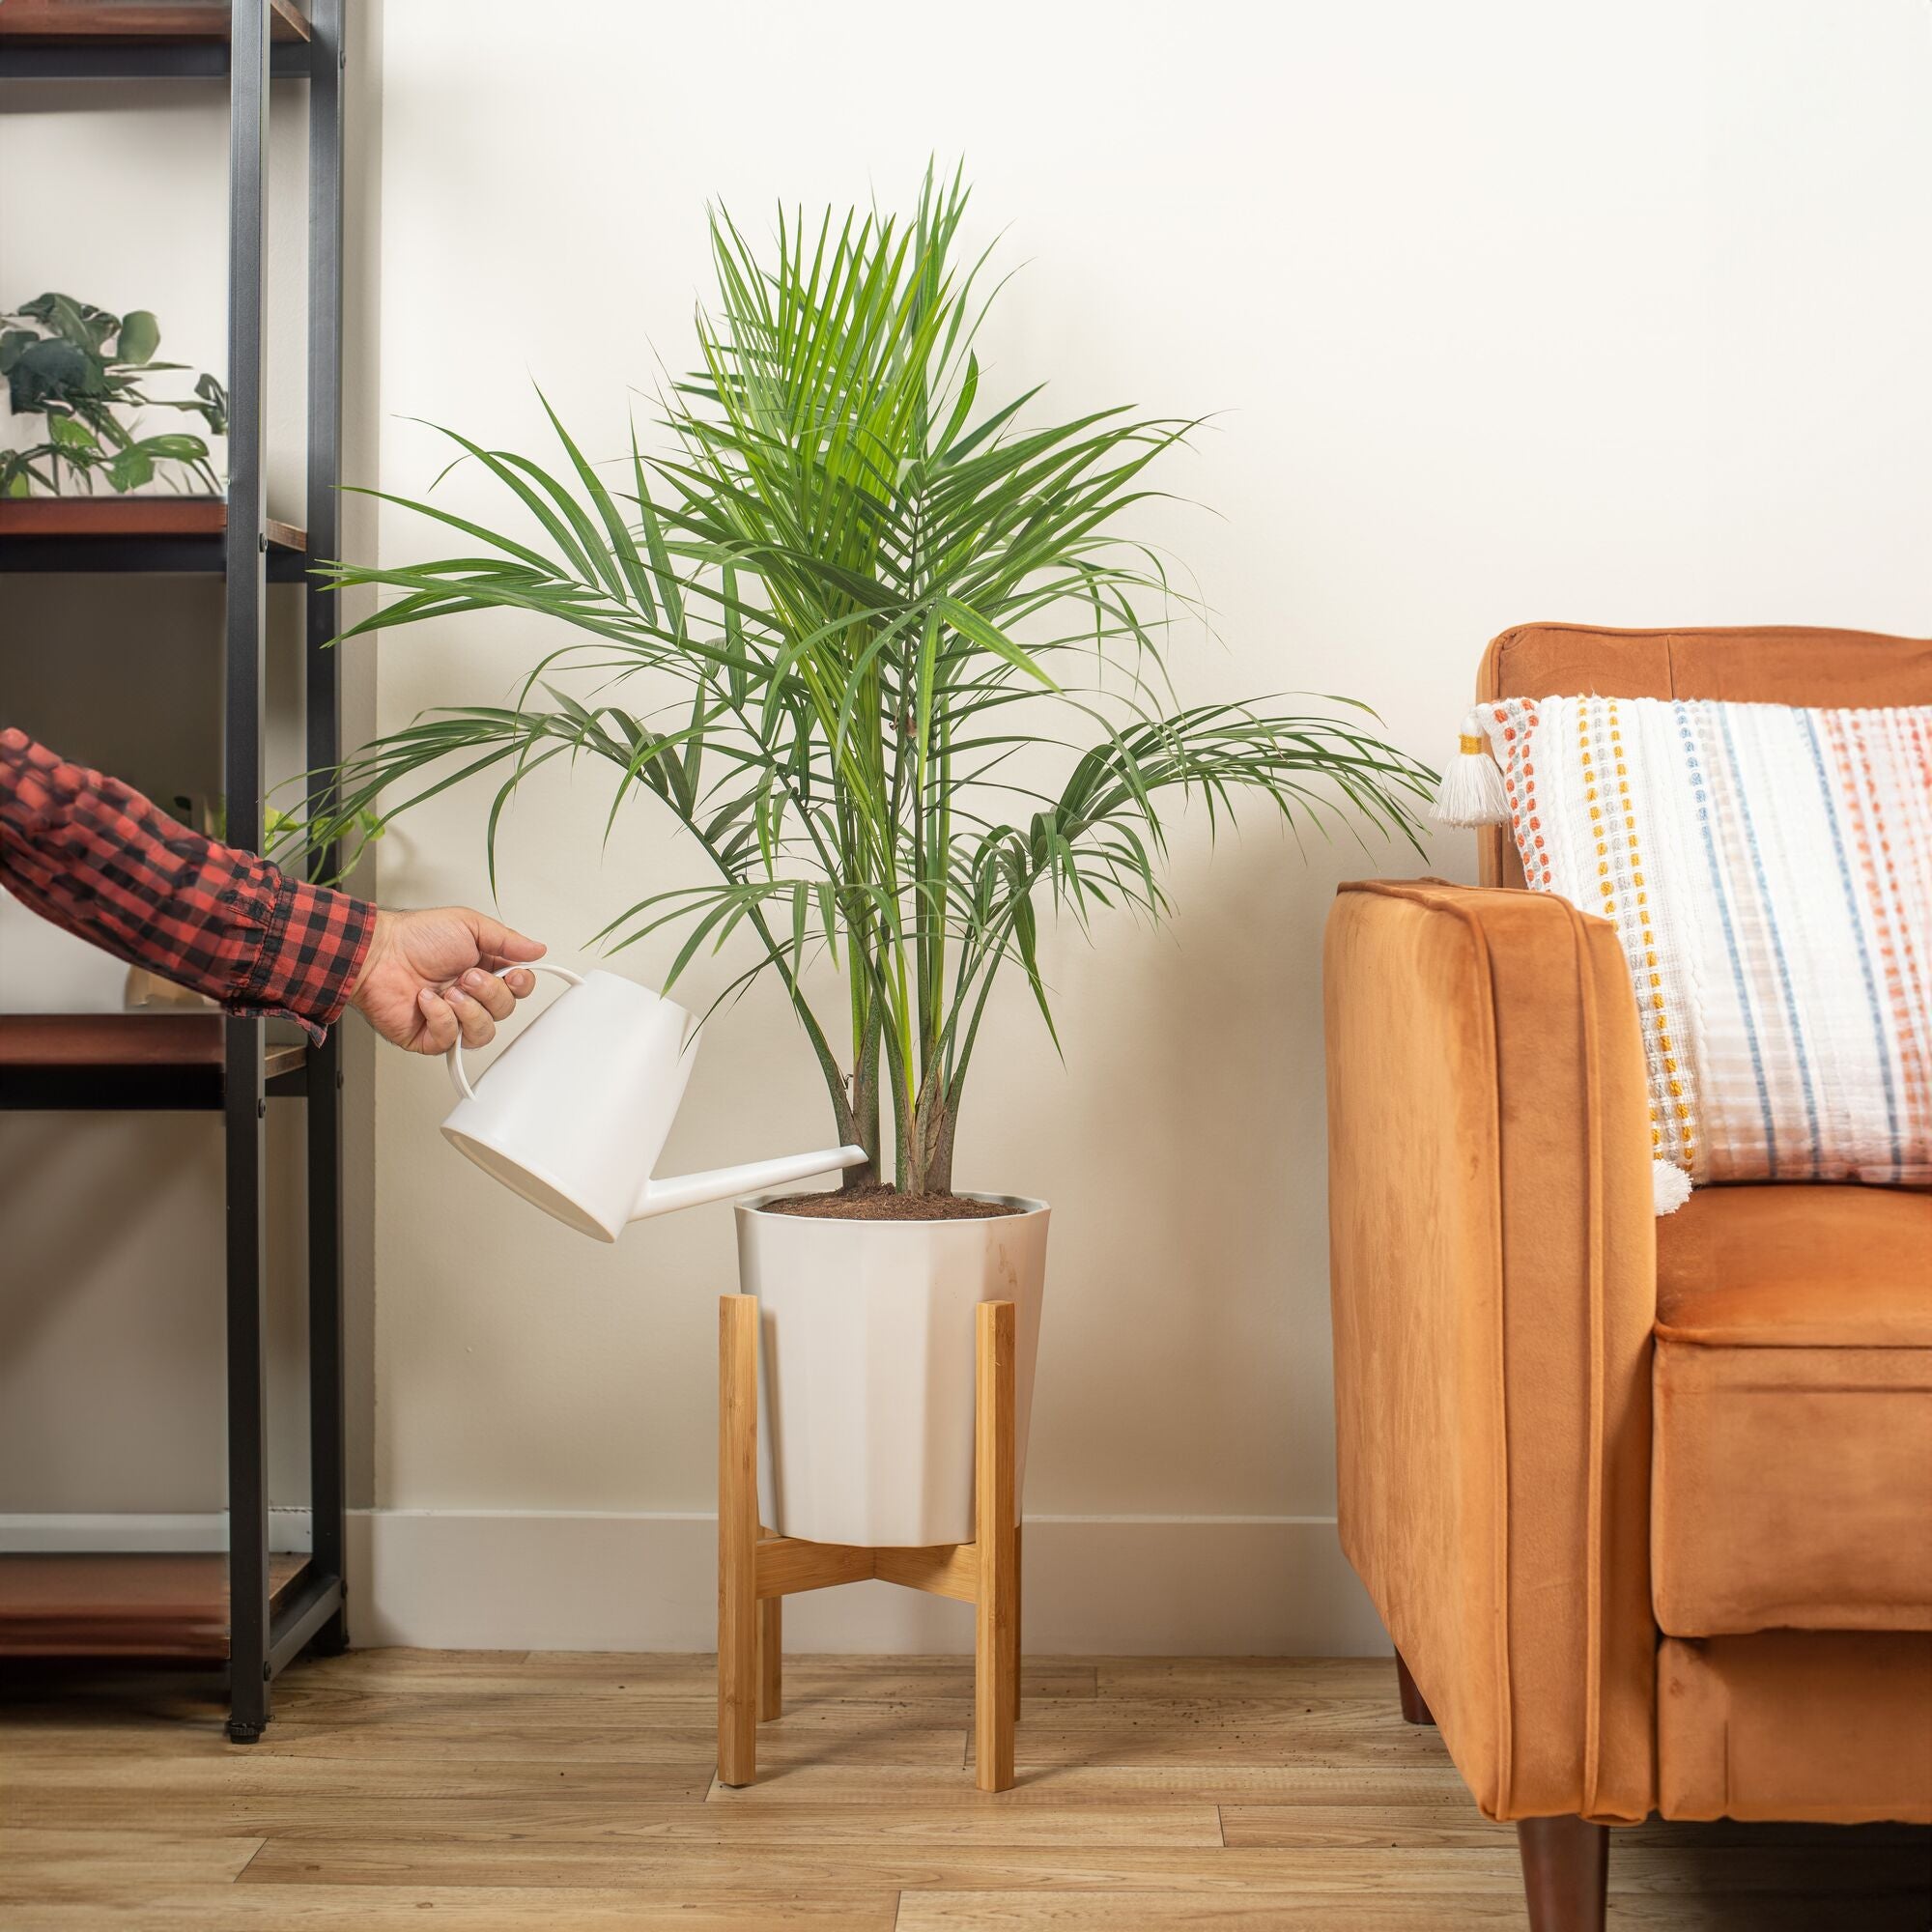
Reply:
x=1799, y=1267
x=1792, y=1445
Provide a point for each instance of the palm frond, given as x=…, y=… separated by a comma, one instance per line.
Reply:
x=894, y=607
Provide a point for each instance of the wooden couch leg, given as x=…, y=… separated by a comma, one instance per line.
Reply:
x=1413, y=1710
x=1566, y=1865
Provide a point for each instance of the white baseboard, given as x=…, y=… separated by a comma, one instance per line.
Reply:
x=145, y=1533
x=452, y=1579
x=1105, y=1586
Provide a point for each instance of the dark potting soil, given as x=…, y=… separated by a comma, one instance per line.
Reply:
x=888, y=1203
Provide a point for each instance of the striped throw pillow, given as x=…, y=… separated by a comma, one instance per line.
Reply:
x=1769, y=871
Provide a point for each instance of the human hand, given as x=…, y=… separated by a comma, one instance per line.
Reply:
x=432, y=978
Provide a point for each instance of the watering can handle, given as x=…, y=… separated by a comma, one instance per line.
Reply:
x=453, y=1059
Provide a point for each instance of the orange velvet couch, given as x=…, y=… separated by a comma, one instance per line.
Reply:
x=1645, y=1504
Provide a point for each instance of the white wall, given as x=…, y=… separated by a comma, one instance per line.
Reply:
x=1511, y=310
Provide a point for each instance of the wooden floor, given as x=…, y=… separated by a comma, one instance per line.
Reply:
x=552, y=1791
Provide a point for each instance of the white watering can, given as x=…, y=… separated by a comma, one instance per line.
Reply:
x=572, y=1114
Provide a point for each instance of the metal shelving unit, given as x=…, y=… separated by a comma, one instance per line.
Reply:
x=209, y=1061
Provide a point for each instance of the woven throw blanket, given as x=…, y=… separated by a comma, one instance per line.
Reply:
x=1769, y=871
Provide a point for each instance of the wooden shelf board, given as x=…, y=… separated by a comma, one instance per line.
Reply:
x=141, y=20
x=124, y=1606
x=148, y=1061
x=70, y=517
x=124, y=1039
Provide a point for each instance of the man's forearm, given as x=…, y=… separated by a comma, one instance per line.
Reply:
x=96, y=857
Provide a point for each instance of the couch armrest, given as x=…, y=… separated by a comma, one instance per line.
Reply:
x=1493, y=1272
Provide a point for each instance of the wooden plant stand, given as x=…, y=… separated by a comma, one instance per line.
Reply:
x=757, y=1570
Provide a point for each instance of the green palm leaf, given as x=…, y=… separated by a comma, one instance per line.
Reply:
x=887, y=596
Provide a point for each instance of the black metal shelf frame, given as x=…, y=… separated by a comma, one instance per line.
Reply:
x=259, y=1643
x=314, y=1610
x=138, y=1084
x=151, y=555
x=147, y=60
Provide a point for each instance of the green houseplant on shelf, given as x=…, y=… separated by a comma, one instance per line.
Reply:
x=882, y=648
x=81, y=371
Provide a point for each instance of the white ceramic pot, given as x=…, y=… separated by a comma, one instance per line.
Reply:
x=866, y=1366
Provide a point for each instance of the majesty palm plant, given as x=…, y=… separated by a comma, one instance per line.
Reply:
x=921, y=674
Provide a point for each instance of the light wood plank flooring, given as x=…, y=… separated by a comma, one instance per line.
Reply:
x=525, y=1791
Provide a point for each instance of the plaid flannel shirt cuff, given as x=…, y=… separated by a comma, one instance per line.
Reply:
x=311, y=947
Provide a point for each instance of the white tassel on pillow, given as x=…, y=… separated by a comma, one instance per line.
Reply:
x=1669, y=1186
x=1472, y=787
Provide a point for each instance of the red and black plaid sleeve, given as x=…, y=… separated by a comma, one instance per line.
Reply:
x=94, y=856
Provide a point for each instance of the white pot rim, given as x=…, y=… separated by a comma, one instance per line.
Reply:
x=755, y=1203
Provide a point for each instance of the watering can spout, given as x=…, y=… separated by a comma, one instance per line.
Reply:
x=719, y=1183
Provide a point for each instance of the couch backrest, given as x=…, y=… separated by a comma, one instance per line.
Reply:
x=1777, y=665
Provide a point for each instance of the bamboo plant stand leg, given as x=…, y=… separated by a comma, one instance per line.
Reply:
x=757, y=1570
x=1019, y=1615
x=737, y=1537
x=996, y=1649
x=771, y=1655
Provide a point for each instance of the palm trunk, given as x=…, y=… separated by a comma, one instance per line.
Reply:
x=940, y=1172
x=927, y=1142
x=865, y=1107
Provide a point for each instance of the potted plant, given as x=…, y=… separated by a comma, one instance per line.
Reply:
x=79, y=369
x=924, y=700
